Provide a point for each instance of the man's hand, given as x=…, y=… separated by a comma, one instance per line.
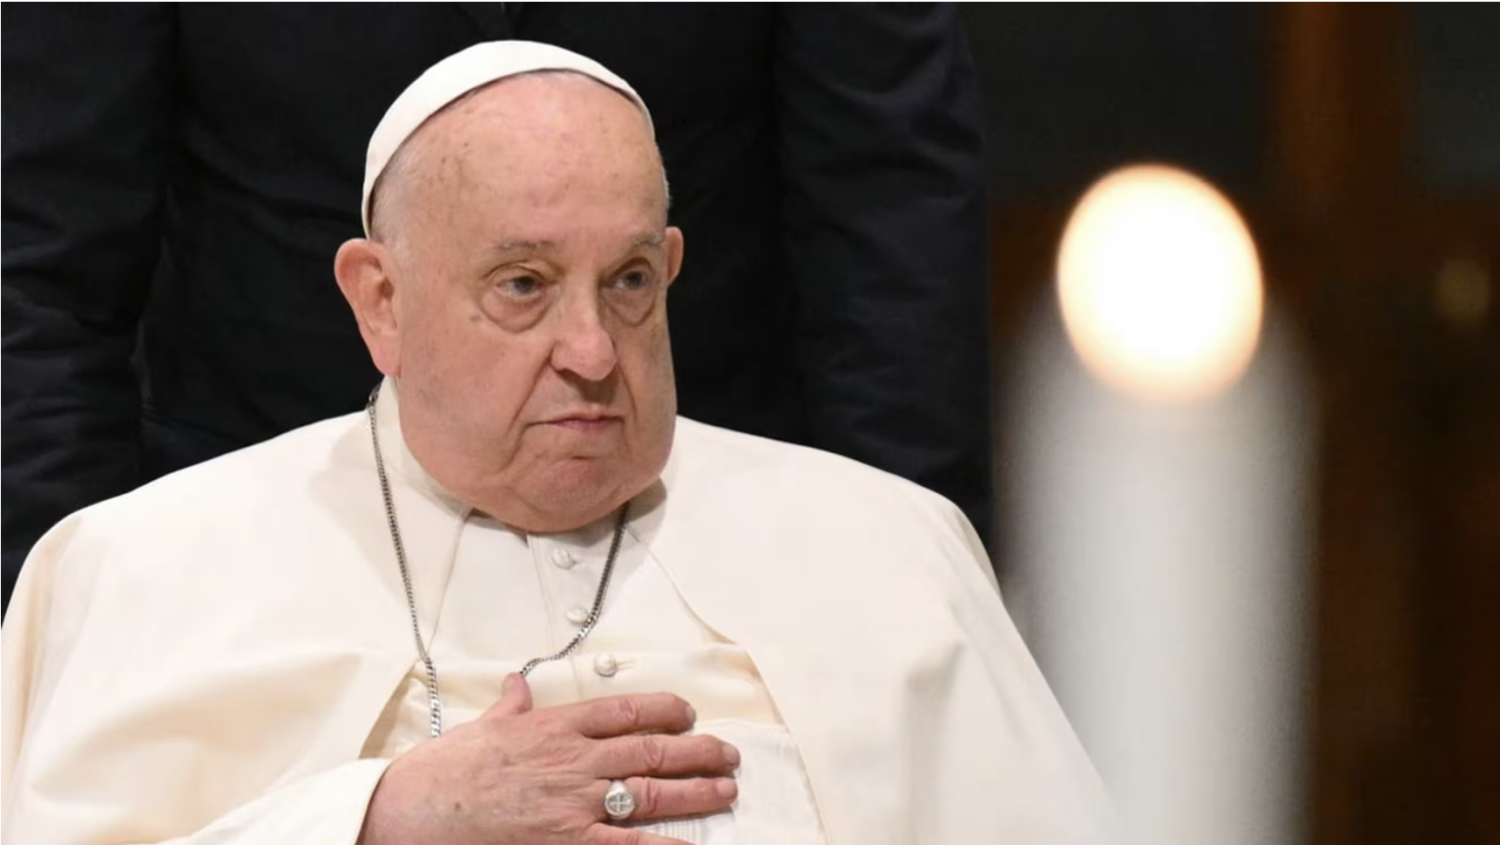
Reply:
x=518, y=776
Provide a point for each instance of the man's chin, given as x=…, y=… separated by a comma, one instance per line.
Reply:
x=576, y=493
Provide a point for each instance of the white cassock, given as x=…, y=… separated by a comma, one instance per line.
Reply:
x=226, y=656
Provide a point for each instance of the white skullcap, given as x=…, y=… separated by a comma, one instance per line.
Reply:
x=461, y=73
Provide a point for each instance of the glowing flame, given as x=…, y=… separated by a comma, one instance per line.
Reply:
x=1160, y=284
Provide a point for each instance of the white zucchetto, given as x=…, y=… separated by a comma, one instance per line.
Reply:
x=461, y=73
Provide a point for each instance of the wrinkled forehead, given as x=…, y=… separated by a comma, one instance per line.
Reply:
x=559, y=100
x=519, y=152
x=458, y=77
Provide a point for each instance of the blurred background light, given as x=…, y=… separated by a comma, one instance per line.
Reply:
x=1159, y=524
x=1159, y=283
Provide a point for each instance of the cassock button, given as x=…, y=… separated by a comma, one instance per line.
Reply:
x=605, y=665
x=563, y=558
x=578, y=615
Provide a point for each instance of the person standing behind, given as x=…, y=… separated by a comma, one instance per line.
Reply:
x=175, y=178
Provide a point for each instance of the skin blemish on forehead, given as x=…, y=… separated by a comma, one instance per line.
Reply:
x=514, y=245
x=652, y=241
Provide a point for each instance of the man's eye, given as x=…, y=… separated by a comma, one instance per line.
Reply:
x=521, y=286
x=634, y=280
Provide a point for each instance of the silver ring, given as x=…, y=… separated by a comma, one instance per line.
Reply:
x=619, y=801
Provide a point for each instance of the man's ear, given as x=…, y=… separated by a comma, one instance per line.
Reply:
x=366, y=274
x=675, y=247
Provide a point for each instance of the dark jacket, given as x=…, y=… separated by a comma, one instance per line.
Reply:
x=177, y=180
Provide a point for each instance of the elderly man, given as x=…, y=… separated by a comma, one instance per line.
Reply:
x=518, y=600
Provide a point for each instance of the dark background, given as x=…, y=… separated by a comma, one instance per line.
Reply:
x=1363, y=145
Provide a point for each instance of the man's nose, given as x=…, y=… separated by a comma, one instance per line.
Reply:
x=584, y=345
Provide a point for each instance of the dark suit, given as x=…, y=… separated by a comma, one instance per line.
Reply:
x=177, y=180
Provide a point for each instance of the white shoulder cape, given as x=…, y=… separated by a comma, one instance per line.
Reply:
x=201, y=660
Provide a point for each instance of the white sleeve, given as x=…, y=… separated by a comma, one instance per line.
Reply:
x=323, y=809
x=90, y=769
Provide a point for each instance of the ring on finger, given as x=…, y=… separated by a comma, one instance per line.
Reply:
x=619, y=801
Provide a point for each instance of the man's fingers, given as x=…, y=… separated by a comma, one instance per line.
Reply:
x=662, y=798
x=627, y=714
x=665, y=798
x=515, y=697
x=663, y=755
x=605, y=834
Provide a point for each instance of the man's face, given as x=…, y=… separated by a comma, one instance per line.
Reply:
x=531, y=269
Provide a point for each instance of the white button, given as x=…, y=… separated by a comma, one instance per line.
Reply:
x=563, y=558
x=606, y=665
x=578, y=615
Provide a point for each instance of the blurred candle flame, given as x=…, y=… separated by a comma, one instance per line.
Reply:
x=1159, y=284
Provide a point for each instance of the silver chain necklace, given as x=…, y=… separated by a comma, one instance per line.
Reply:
x=434, y=701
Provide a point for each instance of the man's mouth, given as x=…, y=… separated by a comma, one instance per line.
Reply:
x=585, y=421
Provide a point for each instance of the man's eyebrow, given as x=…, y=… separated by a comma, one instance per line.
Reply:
x=650, y=239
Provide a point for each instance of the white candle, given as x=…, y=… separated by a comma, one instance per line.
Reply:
x=1159, y=496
